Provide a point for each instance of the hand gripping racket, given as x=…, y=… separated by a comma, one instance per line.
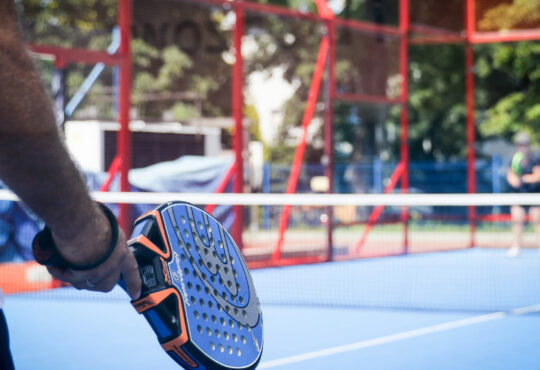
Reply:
x=197, y=293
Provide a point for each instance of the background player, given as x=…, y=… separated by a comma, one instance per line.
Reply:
x=523, y=175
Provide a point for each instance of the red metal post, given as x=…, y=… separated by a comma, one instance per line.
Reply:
x=124, y=106
x=469, y=102
x=404, y=24
x=329, y=132
x=238, y=116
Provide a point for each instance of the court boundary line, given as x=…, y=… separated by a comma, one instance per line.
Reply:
x=438, y=328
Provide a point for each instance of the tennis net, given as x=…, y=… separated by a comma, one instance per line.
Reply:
x=417, y=251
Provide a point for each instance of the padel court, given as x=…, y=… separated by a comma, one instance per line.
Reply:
x=464, y=309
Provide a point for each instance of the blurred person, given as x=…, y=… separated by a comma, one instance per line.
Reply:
x=523, y=175
x=34, y=164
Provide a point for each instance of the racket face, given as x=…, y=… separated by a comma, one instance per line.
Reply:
x=197, y=293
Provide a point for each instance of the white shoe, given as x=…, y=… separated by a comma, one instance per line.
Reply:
x=513, y=252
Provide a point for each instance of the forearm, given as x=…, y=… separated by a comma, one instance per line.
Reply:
x=33, y=161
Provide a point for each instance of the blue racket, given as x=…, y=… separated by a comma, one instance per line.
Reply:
x=197, y=293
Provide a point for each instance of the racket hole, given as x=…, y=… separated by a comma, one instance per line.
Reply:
x=224, y=295
x=183, y=257
x=204, y=240
x=201, y=263
x=210, y=304
x=191, y=223
x=196, y=314
x=229, y=283
x=214, y=254
x=235, y=338
x=209, y=265
x=221, y=348
x=241, y=299
x=200, y=225
x=201, y=302
x=232, y=261
x=198, y=248
x=243, y=339
x=212, y=243
x=218, y=267
x=198, y=287
x=237, y=286
x=183, y=219
x=238, y=352
x=199, y=329
x=189, y=285
x=226, y=269
x=229, y=349
x=226, y=335
x=186, y=233
x=186, y=271
x=212, y=279
x=235, y=273
x=195, y=274
x=228, y=308
x=191, y=260
x=220, y=243
x=203, y=276
x=217, y=333
x=189, y=247
x=209, y=332
x=222, y=256
x=231, y=323
x=244, y=313
x=206, y=252
x=214, y=319
x=220, y=281
x=212, y=346
x=220, y=308
x=235, y=311
x=222, y=320
x=205, y=317
x=192, y=299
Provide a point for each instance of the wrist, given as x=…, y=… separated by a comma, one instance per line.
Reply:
x=91, y=246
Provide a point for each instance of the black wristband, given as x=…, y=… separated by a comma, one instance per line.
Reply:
x=46, y=252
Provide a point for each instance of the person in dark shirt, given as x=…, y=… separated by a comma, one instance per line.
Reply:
x=523, y=175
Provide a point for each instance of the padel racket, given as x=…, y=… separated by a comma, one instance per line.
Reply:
x=197, y=293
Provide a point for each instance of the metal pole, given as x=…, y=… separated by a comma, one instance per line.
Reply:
x=238, y=116
x=124, y=136
x=469, y=101
x=329, y=132
x=404, y=25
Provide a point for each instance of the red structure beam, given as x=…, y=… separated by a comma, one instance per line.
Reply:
x=221, y=186
x=113, y=170
x=124, y=106
x=299, y=153
x=404, y=27
x=504, y=36
x=68, y=55
x=238, y=116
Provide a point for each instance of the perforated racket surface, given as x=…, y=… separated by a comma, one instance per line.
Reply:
x=197, y=293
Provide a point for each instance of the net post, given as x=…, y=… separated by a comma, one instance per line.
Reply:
x=124, y=137
x=238, y=115
x=469, y=101
x=404, y=27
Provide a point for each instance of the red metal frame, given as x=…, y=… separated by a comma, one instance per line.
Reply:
x=238, y=116
x=422, y=35
x=113, y=170
x=404, y=27
x=222, y=185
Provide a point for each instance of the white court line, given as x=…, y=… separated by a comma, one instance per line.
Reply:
x=399, y=336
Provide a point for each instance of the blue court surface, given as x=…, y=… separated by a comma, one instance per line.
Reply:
x=472, y=309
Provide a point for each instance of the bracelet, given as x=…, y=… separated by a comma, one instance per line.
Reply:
x=46, y=252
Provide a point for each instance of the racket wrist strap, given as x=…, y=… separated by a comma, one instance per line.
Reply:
x=46, y=251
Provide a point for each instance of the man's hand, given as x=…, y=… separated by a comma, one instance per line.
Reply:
x=87, y=246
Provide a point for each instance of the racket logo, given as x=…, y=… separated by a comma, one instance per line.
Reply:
x=179, y=277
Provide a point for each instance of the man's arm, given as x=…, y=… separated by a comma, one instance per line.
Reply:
x=36, y=166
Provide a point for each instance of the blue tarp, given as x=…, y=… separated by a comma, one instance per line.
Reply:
x=188, y=174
